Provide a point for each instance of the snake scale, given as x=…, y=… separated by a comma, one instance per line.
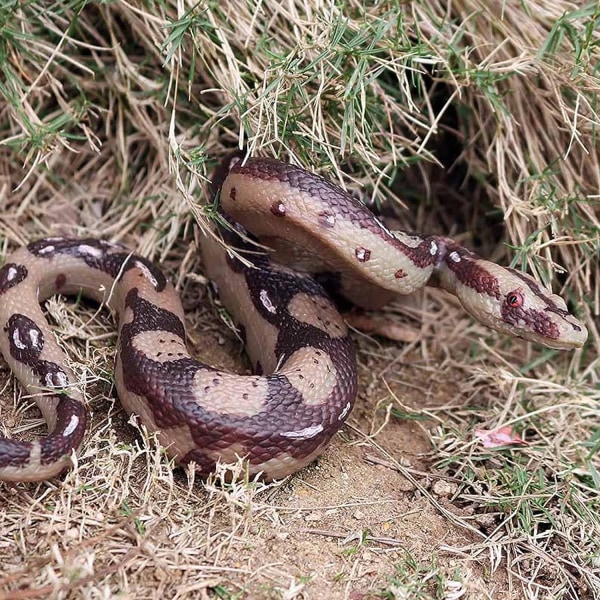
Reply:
x=281, y=418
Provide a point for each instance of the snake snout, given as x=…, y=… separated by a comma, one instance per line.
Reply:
x=573, y=333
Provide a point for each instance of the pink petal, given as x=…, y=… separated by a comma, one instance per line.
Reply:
x=503, y=436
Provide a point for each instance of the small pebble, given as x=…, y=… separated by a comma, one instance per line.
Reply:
x=444, y=489
x=313, y=517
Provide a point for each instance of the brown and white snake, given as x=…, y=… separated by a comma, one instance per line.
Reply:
x=284, y=416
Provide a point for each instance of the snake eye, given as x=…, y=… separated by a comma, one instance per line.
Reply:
x=514, y=299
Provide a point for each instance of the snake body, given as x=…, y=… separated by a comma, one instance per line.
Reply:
x=281, y=418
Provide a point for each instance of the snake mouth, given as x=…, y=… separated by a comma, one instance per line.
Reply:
x=571, y=336
x=559, y=334
x=574, y=335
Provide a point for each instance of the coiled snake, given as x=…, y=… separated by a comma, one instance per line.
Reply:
x=283, y=417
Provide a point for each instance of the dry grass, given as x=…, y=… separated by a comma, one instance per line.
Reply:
x=472, y=116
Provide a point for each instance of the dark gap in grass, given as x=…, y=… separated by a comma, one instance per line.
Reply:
x=454, y=197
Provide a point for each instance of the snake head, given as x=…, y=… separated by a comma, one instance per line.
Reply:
x=510, y=301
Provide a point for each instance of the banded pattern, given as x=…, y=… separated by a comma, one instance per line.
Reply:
x=305, y=384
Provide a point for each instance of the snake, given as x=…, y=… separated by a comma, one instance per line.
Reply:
x=283, y=235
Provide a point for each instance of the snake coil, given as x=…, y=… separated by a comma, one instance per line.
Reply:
x=284, y=416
